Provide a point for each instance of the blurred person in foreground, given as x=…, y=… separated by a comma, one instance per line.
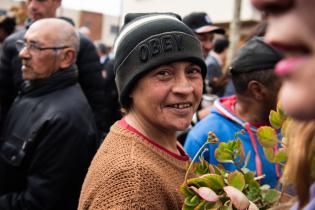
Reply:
x=89, y=68
x=159, y=74
x=256, y=88
x=49, y=136
x=291, y=29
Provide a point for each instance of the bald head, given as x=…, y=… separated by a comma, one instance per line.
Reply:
x=49, y=45
x=59, y=32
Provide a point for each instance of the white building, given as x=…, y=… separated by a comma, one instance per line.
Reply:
x=220, y=11
x=104, y=21
x=103, y=26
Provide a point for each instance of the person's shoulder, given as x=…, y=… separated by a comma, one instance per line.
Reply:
x=85, y=41
x=10, y=41
x=212, y=119
x=214, y=122
x=16, y=35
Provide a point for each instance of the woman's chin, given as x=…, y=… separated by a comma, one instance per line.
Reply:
x=294, y=104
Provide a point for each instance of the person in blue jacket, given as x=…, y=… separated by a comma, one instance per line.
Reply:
x=256, y=88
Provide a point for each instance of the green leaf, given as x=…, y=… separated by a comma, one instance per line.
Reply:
x=249, y=176
x=281, y=156
x=267, y=136
x=222, y=156
x=226, y=208
x=219, y=169
x=237, y=180
x=275, y=119
x=270, y=154
x=192, y=201
x=280, y=111
x=230, y=151
x=201, y=205
x=185, y=207
x=241, y=152
x=213, y=206
x=271, y=196
x=214, y=181
x=202, y=167
x=197, y=182
x=254, y=191
x=184, y=189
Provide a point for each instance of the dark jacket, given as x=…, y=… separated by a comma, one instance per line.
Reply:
x=112, y=110
x=46, y=146
x=90, y=77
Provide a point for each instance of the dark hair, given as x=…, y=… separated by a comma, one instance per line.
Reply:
x=220, y=45
x=102, y=48
x=69, y=20
x=7, y=24
x=265, y=77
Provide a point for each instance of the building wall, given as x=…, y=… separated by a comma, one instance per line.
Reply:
x=93, y=21
x=6, y=4
x=72, y=14
x=218, y=10
x=104, y=32
x=110, y=29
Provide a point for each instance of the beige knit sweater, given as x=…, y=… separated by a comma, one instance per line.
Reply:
x=131, y=172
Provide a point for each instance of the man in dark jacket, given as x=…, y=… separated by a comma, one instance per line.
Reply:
x=49, y=136
x=89, y=68
x=112, y=111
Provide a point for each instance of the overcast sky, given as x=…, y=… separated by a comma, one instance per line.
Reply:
x=110, y=7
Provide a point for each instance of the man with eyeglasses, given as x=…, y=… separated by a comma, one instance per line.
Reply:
x=49, y=136
x=90, y=76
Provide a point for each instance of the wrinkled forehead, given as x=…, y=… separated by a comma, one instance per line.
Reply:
x=44, y=34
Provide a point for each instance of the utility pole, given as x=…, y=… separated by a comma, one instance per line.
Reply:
x=235, y=26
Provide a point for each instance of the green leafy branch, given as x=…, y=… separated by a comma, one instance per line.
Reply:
x=216, y=188
x=268, y=138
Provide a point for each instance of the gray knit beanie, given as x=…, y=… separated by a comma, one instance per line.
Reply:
x=148, y=41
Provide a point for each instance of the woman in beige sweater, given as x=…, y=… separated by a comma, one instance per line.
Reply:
x=159, y=71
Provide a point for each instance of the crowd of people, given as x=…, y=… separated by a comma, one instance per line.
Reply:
x=87, y=126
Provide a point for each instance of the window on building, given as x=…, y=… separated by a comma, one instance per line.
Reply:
x=114, y=29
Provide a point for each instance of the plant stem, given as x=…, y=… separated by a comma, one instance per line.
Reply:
x=194, y=159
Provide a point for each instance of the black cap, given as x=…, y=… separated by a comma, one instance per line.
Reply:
x=148, y=41
x=255, y=55
x=200, y=23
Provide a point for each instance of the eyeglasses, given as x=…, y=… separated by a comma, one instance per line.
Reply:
x=32, y=47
